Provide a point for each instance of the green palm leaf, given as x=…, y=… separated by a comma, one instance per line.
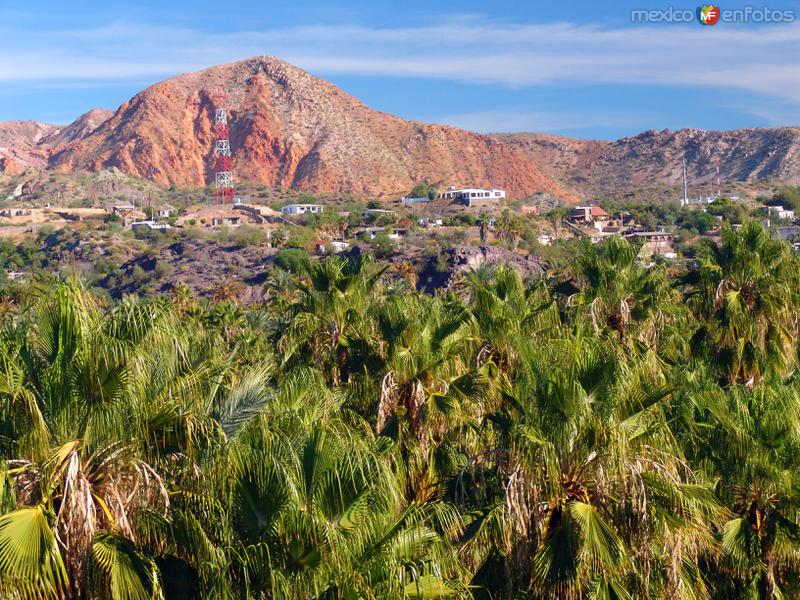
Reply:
x=30, y=563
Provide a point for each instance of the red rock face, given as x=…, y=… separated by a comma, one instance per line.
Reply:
x=288, y=129
x=21, y=145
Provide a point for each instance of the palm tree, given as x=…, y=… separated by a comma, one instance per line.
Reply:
x=427, y=386
x=331, y=311
x=74, y=474
x=744, y=295
x=752, y=447
x=617, y=293
x=585, y=484
x=506, y=313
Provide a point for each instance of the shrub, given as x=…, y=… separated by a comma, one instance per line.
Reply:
x=293, y=260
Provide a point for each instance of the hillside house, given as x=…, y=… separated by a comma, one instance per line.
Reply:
x=588, y=214
x=394, y=233
x=474, y=197
x=778, y=212
x=591, y=216
x=656, y=243
x=429, y=223
x=301, y=209
x=225, y=220
x=331, y=247
x=423, y=200
x=165, y=212
x=150, y=225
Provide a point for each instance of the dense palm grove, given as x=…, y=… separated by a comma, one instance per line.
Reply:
x=606, y=431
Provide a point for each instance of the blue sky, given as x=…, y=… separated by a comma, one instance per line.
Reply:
x=580, y=68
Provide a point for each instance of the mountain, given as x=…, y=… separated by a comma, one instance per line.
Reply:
x=78, y=129
x=21, y=145
x=652, y=158
x=292, y=130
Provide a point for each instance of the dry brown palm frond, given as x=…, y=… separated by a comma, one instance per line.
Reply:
x=388, y=400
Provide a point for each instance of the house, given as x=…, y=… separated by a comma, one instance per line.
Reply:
x=394, y=233
x=123, y=209
x=374, y=213
x=592, y=216
x=422, y=200
x=301, y=209
x=165, y=212
x=699, y=201
x=429, y=223
x=331, y=247
x=151, y=225
x=473, y=197
x=225, y=220
x=588, y=214
x=656, y=243
x=778, y=212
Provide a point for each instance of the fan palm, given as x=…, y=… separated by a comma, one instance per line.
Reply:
x=590, y=484
x=619, y=294
x=744, y=295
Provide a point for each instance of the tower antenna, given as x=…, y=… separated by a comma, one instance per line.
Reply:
x=685, y=186
x=223, y=162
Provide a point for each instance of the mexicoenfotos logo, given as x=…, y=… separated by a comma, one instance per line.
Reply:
x=708, y=14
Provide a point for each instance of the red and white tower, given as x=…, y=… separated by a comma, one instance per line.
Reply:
x=223, y=163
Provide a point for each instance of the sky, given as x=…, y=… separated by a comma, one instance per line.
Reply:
x=582, y=68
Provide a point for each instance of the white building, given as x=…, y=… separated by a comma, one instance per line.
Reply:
x=166, y=211
x=394, y=233
x=474, y=196
x=429, y=223
x=301, y=209
x=151, y=225
x=333, y=246
x=779, y=212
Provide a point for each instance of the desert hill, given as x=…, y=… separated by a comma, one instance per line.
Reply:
x=290, y=129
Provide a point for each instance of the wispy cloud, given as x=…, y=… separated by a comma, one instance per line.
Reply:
x=763, y=61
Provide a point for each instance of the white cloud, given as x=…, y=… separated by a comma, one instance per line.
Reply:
x=763, y=61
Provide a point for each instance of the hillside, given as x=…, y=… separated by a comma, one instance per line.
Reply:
x=653, y=158
x=288, y=129
x=21, y=145
x=292, y=130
